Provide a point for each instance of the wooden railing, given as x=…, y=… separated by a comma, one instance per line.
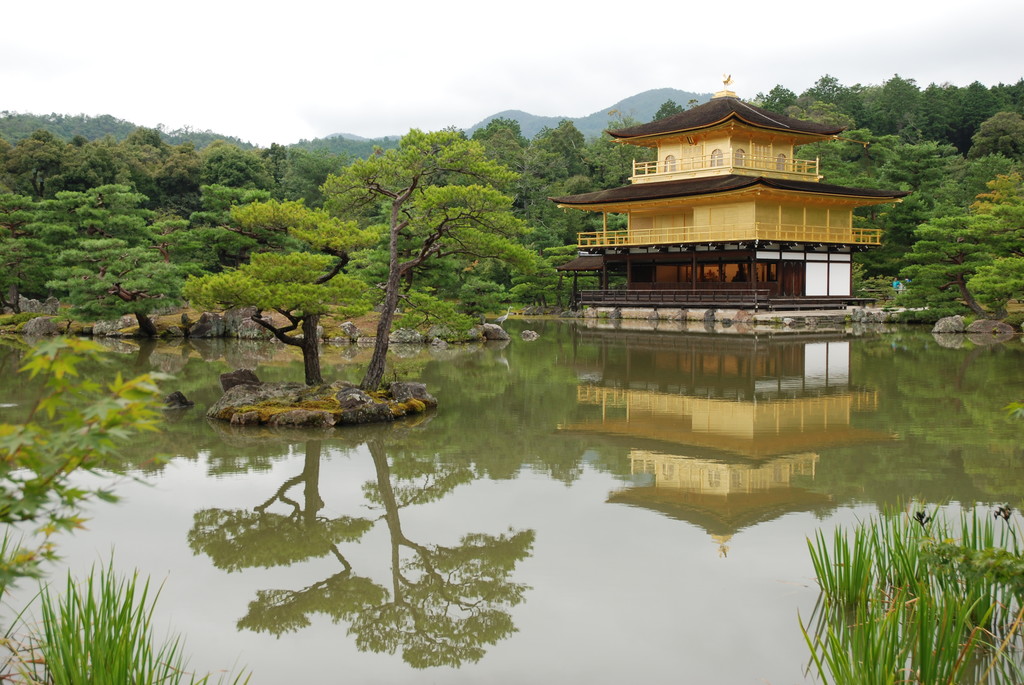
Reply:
x=768, y=232
x=682, y=295
x=727, y=159
x=727, y=296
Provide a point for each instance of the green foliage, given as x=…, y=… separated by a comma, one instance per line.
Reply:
x=1002, y=134
x=893, y=109
x=212, y=226
x=478, y=296
x=913, y=597
x=34, y=165
x=610, y=163
x=281, y=282
x=12, y=321
x=15, y=127
x=341, y=146
x=543, y=285
x=300, y=286
x=298, y=282
x=420, y=308
x=23, y=253
x=1015, y=409
x=305, y=172
x=996, y=284
x=101, y=631
x=75, y=425
x=503, y=141
x=946, y=255
x=109, y=264
x=1015, y=319
x=228, y=165
x=878, y=288
x=440, y=199
x=899, y=135
x=950, y=251
x=779, y=99
x=667, y=109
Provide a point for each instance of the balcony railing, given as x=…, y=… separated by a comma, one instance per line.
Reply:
x=767, y=232
x=727, y=159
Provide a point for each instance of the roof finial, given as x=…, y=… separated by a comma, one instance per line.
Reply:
x=725, y=92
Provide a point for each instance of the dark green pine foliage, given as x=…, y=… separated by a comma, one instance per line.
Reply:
x=107, y=263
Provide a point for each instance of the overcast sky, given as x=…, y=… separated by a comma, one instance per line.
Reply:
x=283, y=71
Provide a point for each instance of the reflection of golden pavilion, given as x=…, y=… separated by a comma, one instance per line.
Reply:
x=722, y=496
x=747, y=428
x=729, y=430
x=714, y=477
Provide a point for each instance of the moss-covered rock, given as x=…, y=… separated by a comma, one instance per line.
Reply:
x=334, y=404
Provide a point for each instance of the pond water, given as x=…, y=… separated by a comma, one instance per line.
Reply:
x=598, y=506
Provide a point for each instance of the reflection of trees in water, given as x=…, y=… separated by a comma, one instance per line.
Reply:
x=236, y=539
x=945, y=406
x=505, y=413
x=492, y=393
x=445, y=603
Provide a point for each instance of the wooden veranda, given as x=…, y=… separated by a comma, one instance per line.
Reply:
x=732, y=298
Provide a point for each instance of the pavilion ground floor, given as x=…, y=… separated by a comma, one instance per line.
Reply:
x=771, y=277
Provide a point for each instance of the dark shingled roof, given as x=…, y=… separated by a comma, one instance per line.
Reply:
x=716, y=184
x=587, y=263
x=720, y=109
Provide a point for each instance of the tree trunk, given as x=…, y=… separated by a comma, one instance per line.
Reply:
x=146, y=348
x=311, y=350
x=13, y=298
x=969, y=300
x=391, y=516
x=146, y=325
x=311, y=478
x=375, y=372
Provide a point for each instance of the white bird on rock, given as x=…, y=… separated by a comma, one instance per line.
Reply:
x=501, y=319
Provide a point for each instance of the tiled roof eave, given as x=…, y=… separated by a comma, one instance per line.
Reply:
x=718, y=111
x=636, y=138
x=715, y=186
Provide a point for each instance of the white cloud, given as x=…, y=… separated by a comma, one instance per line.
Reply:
x=278, y=72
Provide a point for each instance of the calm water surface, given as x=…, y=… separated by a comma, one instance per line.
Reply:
x=599, y=506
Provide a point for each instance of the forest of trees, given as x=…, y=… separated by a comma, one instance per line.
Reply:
x=116, y=223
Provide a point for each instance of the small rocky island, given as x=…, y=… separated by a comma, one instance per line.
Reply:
x=249, y=402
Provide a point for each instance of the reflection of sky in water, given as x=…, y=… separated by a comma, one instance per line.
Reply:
x=616, y=592
x=697, y=469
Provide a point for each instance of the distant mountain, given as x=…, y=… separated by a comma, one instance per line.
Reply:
x=641, y=107
x=15, y=127
x=353, y=136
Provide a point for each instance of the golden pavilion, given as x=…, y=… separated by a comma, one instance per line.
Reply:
x=727, y=216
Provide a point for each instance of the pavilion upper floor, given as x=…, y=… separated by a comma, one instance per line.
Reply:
x=722, y=137
x=729, y=208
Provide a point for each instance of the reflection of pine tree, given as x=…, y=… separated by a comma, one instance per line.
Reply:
x=237, y=539
x=446, y=603
x=342, y=596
